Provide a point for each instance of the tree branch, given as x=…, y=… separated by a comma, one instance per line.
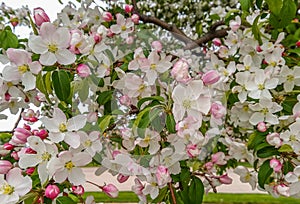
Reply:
x=172, y=193
x=179, y=34
x=16, y=123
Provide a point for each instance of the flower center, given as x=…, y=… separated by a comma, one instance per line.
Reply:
x=7, y=189
x=147, y=139
x=187, y=104
x=69, y=165
x=290, y=78
x=123, y=28
x=153, y=66
x=23, y=68
x=62, y=127
x=261, y=87
x=88, y=143
x=52, y=48
x=46, y=156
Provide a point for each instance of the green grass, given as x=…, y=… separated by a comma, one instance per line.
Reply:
x=219, y=198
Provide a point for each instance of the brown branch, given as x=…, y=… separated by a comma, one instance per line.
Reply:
x=172, y=193
x=179, y=34
x=16, y=123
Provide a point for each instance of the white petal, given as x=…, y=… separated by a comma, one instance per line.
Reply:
x=37, y=45
x=115, y=29
x=28, y=80
x=56, y=136
x=77, y=176
x=65, y=57
x=76, y=123
x=11, y=73
x=48, y=58
x=43, y=172
x=256, y=118
x=29, y=160
x=72, y=139
x=35, y=67
x=61, y=176
x=81, y=159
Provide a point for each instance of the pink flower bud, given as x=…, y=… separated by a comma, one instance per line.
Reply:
x=218, y=158
x=180, y=71
x=217, y=42
x=43, y=134
x=83, y=70
x=78, y=190
x=209, y=165
x=5, y=166
x=135, y=18
x=110, y=33
x=217, y=110
x=162, y=175
x=106, y=16
x=262, y=127
x=129, y=40
x=258, y=48
x=28, y=150
x=97, y=38
x=225, y=179
x=115, y=153
x=276, y=165
x=274, y=139
x=92, y=117
x=122, y=178
x=40, y=16
x=8, y=146
x=14, y=21
x=298, y=43
x=30, y=170
x=110, y=190
x=128, y=8
x=192, y=150
x=52, y=191
x=7, y=96
x=22, y=134
x=15, y=155
x=125, y=100
x=30, y=116
x=210, y=77
x=156, y=45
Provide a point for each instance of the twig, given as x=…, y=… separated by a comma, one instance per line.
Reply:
x=172, y=193
x=16, y=123
x=179, y=34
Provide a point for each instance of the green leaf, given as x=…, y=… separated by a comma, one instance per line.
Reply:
x=287, y=167
x=8, y=39
x=152, y=98
x=259, y=3
x=255, y=139
x=285, y=148
x=65, y=200
x=256, y=31
x=196, y=190
x=83, y=92
x=162, y=194
x=287, y=14
x=275, y=6
x=267, y=152
x=104, y=97
x=170, y=123
x=40, y=84
x=264, y=173
x=245, y=4
x=61, y=85
x=104, y=122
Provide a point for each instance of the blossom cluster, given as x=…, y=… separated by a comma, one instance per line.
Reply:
x=106, y=95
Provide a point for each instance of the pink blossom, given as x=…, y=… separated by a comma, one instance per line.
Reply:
x=218, y=158
x=180, y=71
x=30, y=115
x=110, y=190
x=43, y=134
x=52, y=191
x=14, y=21
x=40, y=16
x=276, y=165
x=107, y=16
x=209, y=165
x=210, y=77
x=162, y=175
x=135, y=18
x=128, y=8
x=156, y=45
x=217, y=42
x=78, y=190
x=262, y=127
x=274, y=139
x=8, y=146
x=225, y=179
x=5, y=166
x=192, y=150
x=30, y=170
x=122, y=178
x=217, y=110
x=20, y=135
x=125, y=100
x=83, y=70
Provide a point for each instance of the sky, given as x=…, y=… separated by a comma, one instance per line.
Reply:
x=51, y=7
